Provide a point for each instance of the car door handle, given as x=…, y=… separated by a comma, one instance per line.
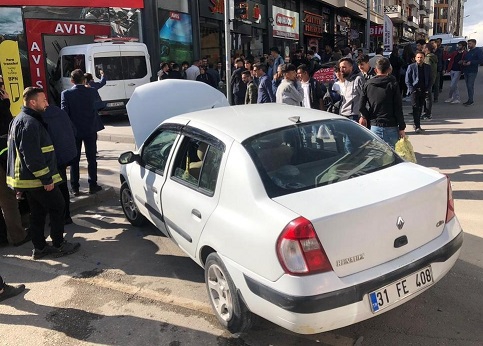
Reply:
x=132, y=84
x=196, y=213
x=155, y=190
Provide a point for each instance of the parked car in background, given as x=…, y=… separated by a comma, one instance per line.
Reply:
x=302, y=217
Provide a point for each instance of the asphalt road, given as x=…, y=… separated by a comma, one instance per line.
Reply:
x=131, y=286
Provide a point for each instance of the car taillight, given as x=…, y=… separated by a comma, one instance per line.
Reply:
x=450, y=205
x=300, y=251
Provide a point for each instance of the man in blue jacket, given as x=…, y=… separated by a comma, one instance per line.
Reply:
x=418, y=81
x=473, y=59
x=61, y=132
x=265, y=91
x=79, y=103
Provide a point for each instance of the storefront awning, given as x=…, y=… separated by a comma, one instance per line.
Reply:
x=76, y=3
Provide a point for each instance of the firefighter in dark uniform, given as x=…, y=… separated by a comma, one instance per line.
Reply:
x=32, y=167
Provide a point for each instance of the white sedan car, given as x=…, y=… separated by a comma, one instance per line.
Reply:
x=299, y=216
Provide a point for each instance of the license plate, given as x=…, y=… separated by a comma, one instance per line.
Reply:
x=115, y=104
x=401, y=289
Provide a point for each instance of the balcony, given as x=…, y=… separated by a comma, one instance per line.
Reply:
x=426, y=26
x=423, y=11
x=413, y=22
x=395, y=12
x=413, y=3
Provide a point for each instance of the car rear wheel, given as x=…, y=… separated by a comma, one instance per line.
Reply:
x=129, y=207
x=230, y=310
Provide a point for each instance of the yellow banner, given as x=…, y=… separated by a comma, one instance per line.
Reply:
x=12, y=74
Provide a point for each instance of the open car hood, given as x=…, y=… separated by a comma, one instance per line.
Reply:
x=152, y=103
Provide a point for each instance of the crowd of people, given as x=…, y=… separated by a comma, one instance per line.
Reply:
x=361, y=87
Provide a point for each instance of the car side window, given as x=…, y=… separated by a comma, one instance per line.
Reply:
x=156, y=153
x=197, y=164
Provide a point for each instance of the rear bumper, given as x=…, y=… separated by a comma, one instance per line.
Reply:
x=323, y=302
x=114, y=107
x=353, y=294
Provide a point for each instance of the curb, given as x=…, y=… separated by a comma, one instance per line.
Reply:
x=105, y=137
x=86, y=199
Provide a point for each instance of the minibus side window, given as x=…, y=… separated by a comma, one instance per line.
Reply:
x=134, y=67
x=72, y=62
x=110, y=65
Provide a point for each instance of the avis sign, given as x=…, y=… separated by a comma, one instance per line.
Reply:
x=35, y=28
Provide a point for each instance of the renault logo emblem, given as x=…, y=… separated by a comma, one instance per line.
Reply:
x=400, y=223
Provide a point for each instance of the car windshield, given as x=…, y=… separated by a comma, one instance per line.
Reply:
x=309, y=155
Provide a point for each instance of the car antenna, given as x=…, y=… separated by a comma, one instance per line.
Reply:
x=295, y=119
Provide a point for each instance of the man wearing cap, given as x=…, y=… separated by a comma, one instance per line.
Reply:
x=290, y=91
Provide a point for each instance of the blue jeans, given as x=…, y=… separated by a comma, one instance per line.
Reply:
x=90, y=147
x=470, y=84
x=390, y=135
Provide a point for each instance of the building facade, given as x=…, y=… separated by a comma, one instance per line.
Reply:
x=448, y=17
x=184, y=30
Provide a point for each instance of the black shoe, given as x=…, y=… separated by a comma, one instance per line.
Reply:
x=468, y=103
x=47, y=250
x=75, y=191
x=68, y=221
x=94, y=189
x=27, y=238
x=66, y=248
x=10, y=291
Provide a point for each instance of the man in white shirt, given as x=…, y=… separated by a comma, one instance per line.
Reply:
x=193, y=71
x=313, y=90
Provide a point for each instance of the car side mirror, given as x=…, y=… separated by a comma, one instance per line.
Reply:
x=128, y=157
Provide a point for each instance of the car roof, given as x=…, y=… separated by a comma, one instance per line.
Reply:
x=244, y=121
x=182, y=101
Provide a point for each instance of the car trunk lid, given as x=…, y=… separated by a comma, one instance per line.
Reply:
x=369, y=220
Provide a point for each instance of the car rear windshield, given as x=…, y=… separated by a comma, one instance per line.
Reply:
x=309, y=155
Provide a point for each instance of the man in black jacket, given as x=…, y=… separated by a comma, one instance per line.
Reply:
x=238, y=87
x=313, y=90
x=382, y=96
x=32, y=167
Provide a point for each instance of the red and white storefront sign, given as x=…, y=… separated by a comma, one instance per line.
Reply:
x=286, y=24
x=35, y=28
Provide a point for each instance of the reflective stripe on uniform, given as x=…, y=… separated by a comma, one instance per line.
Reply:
x=2, y=151
x=41, y=172
x=30, y=184
x=47, y=149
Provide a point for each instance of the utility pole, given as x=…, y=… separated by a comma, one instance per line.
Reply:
x=228, y=51
x=368, y=26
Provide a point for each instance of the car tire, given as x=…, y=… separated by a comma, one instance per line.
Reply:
x=229, y=308
x=129, y=207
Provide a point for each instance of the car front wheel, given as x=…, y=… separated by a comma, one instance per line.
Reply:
x=230, y=310
x=129, y=207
